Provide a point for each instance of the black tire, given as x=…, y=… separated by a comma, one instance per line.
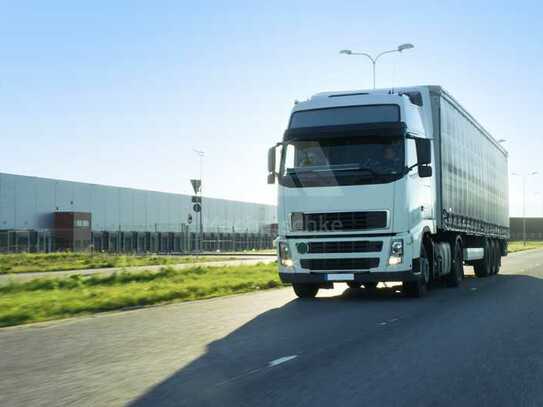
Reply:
x=414, y=289
x=419, y=288
x=495, y=257
x=454, y=278
x=370, y=286
x=354, y=284
x=306, y=290
x=483, y=267
x=498, y=257
x=492, y=257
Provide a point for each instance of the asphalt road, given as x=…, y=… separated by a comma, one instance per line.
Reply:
x=481, y=344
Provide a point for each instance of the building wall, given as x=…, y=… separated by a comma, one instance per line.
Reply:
x=29, y=203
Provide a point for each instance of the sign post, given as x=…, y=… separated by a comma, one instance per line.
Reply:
x=197, y=207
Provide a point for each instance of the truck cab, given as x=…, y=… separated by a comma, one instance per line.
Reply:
x=355, y=190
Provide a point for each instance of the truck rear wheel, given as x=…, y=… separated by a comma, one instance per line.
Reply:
x=305, y=290
x=354, y=284
x=457, y=268
x=483, y=267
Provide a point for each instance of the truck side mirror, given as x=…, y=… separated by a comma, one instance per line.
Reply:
x=271, y=165
x=425, y=171
x=271, y=159
x=424, y=151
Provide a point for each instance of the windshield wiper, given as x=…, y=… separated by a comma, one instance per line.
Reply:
x=325, y=168
x=335, y=168
x=358, y=168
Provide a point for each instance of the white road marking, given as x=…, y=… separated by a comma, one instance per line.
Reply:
x=281, y=360
x=253, y=371
x=390, y=321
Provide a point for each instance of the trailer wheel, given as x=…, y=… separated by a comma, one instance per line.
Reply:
x=482, y=267
x=305, y=290
x=498, y=256
x=495, y=257
x=457, y=268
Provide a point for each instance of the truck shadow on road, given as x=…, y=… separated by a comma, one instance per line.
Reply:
x=232, y=368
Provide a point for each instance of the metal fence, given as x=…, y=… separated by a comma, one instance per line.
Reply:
x=120, y=241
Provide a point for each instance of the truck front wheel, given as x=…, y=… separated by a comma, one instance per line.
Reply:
x=418, y=288
x=305, y=290
x=370, y=286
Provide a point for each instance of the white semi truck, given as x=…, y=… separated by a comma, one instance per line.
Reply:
x=384, y=185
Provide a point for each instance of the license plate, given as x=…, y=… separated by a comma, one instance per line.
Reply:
x=340, y=277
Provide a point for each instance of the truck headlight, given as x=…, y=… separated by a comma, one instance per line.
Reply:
x=284, y=255
x=297, y=221
x=396, y=252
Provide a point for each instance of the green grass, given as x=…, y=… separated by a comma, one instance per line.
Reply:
x=28, y=263
x=517, y=246
x=53, y=298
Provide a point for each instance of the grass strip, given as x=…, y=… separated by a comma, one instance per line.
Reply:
x=517, y=246
x=53, y=298
x=39, y=262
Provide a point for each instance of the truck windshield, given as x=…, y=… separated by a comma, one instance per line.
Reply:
x=342, y=161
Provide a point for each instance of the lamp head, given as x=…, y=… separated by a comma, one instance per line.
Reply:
x=346, y=51
x=403, y=47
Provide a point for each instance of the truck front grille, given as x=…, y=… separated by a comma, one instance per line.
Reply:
x=345, y=247
x=339, y=221
x=339, y=264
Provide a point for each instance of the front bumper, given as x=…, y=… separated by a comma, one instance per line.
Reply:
x=369, y=264
x=359, y=277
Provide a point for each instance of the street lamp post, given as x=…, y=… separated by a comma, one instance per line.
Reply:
x=374, y=60
x=524, y=176
x=538, y=195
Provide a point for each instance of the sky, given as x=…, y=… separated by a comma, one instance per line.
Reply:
x=120, y=93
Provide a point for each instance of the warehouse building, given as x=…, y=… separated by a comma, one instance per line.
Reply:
x=43, y=215
x=534, y=228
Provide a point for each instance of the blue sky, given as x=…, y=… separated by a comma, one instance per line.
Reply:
x=121, y=92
